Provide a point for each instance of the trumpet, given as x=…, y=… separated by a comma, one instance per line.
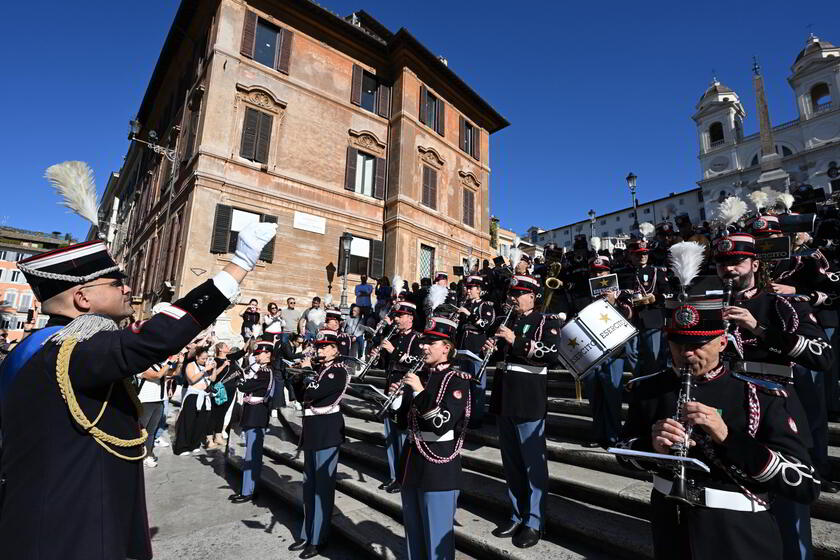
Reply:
x=392, y=397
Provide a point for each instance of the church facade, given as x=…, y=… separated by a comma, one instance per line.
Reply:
x=808, y=146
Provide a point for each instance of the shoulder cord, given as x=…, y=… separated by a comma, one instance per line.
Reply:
x=786, y=328
x=422, y=446
x=63, y=377
x=791, y=271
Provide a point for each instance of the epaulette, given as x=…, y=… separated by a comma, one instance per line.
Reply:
x=764, y=385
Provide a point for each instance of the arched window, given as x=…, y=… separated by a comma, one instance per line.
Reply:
x=820, y=97
x=715, y=134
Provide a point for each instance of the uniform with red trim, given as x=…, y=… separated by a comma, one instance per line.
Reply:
x=747, y=432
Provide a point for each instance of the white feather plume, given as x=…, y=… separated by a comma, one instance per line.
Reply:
x=730, y=210
x=73, y=180
x=437, y=296
x=515, y=256
x=328, y=299
x=397, y=285
x=595, y=243
x=758, y=199
x=785, y=200
x=685, y=260
x=646, y=229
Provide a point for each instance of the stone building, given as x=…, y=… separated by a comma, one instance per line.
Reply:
x=807, y=146
x=19, y=307
x=288, y=113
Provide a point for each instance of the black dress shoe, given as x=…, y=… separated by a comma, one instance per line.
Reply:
x=393, y=488
x=526, y=537
x=298, y=545
x=506, y=530
x=386, y=484
x=311, y=551
x=240, y=499
x=829, y=487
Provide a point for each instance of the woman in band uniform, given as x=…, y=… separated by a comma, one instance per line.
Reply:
x=322, y=434
x=430, y=465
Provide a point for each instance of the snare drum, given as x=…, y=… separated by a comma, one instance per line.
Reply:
x=597, y=333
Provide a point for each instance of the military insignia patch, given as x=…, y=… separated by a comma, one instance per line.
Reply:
x=792, y=425
x=430, y=324
x=759, y=224
x=725, y=245
x=686, y=316
x=458, y=394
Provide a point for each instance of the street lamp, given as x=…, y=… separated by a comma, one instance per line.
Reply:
x=346, y=240
x=631, y=183
x=591, y=224
x=134, y=129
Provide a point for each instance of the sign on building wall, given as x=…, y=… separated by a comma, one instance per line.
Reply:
x=310, y=222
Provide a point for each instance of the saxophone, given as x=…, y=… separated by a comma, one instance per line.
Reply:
x=681, y=486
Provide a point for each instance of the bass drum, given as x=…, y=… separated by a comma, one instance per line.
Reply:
x=597, y=333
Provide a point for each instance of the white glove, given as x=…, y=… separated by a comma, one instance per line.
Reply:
x=250, y=243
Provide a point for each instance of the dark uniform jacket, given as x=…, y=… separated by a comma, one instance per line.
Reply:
x=792, y=333
x=438, y=409
x=764, y=453
x=809, y=272
x=519, y=394
x=66, y=497
x=321, y=428
x=406, y=352
x=473, y=326
x=646, y=280
x=257, y=385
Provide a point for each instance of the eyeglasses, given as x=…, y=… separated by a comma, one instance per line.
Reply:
x=118, y=283
x=292, y=302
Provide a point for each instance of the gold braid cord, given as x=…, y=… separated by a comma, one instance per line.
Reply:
x=62, y=370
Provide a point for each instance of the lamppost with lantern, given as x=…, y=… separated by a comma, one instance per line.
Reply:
x=168, y=153
x=631, y=183
x=591, y=223
x=346, y=240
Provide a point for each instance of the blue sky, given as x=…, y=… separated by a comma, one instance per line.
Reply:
x=593, y=90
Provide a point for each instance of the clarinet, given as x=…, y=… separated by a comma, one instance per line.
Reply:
x=727, y=299
x=398, y=391
x=374, y=354
x=486, y=360
x=680, y=488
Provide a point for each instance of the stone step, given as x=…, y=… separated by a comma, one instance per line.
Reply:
x=580, y=472
x=376, y=534
x=485, y=496
x=472, y=526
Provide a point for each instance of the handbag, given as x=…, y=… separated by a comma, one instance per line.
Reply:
x=220, y=395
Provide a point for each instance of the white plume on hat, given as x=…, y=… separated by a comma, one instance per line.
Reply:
x=758, y=199
x=595, y=243
x=73, y=180
x=785, y=200
x=328, y=300
x=515, y=254
x=397, y=285
x=685, y=259
x=646, y=229
x=437, y=296
x=731, y=210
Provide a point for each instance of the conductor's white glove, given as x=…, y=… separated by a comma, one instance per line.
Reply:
x=250, y=243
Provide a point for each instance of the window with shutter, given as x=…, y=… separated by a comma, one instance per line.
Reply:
x=462, y=133
x=377, y=259
x=476, y=147
x=384, y=102
x=221, y=229
x=379, y=184
x=248, y=145
x=350, y=170
x=192, y=130
x=263, y=138
x=249, y=31
x=356, y=85
x=440, y=111
x=469, y=208
x=284, y=50
x=267, y=253
x=424, y=102
x=429, y=187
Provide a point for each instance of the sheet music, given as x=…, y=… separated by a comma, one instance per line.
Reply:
x=660, y=458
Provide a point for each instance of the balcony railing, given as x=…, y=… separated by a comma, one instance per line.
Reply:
x=822, y=107
x=716, y=143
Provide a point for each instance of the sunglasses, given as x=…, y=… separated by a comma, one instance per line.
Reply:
x=118, y=283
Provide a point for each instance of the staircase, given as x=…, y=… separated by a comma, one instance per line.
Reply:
x=595, y=509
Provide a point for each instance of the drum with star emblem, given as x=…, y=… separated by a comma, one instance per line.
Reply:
x=596, y=334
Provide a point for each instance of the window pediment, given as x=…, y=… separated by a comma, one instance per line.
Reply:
x=431, y=157
x=469, y=179
x=260, y=97
x=367, y=141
